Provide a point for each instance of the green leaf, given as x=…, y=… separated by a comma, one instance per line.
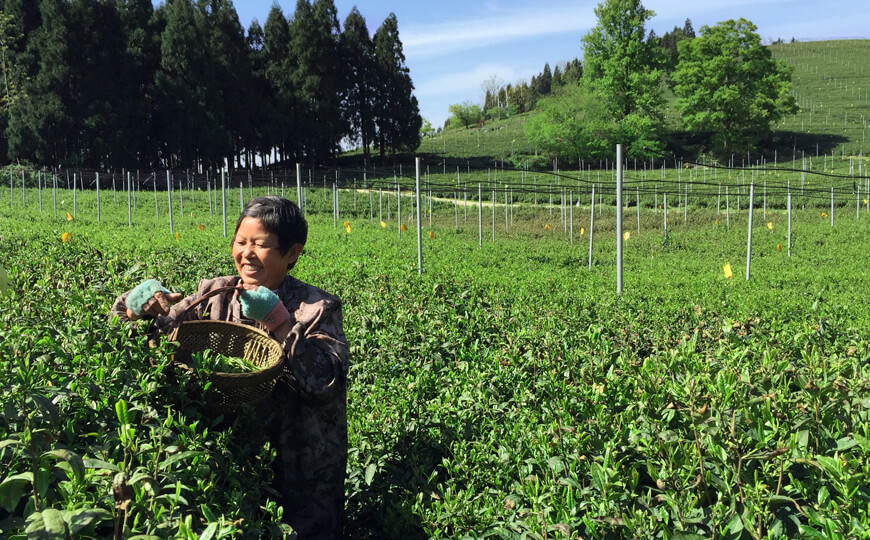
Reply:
x=121, y=411
x=8, y=442
x=370, y=473
x=84, y=517
x=209, y=531
x=597, y=476
x=73, y=459
x=46, y=525
x=93, y=463
x=178, y=457
x=12, y=489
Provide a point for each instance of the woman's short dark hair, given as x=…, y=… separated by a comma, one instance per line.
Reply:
x=280, y=217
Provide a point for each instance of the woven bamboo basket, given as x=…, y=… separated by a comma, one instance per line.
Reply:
x=228, y=392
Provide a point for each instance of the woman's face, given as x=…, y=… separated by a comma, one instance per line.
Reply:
x=258, y=259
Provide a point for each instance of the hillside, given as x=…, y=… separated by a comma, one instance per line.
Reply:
x=830, y=81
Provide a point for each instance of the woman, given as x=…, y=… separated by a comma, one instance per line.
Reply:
x=310, y=425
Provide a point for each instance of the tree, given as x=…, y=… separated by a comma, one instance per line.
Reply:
x=40, y=127
x=625, y=70
x=730, y=87
x=317, y=76
x=466, y=112
x=397, y=111
x=282, y=131
x=572, y=124
x=359, y=54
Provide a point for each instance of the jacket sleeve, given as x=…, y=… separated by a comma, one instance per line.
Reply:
x=317, y=355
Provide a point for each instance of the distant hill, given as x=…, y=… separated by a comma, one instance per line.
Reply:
x=831, y=82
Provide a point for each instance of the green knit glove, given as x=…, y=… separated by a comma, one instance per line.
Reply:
x=142, y=293
x=264, y=306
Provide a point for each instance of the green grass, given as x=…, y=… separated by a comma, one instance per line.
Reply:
x=507, y=391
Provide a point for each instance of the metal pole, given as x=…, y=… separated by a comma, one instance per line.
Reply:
x=591, y=224
x=299, y=186
x=224, y=198
x=789, y=222
x=129, y=199
x=618, y=219
x=479, y=217
x=169, y=197
x=419, y=224
x=98, y=197
x=749, y=234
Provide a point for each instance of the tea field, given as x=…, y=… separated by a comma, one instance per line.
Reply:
x=505, y=392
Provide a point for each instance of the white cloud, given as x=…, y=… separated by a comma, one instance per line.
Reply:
x=495, y=27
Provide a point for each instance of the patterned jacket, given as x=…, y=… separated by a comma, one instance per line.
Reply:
x=309, y=429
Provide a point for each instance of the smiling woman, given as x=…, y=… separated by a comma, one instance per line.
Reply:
x=308, y=426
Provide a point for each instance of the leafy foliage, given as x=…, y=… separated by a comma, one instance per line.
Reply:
x=729, y=86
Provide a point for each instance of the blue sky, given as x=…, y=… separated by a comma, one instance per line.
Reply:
x=452, y=46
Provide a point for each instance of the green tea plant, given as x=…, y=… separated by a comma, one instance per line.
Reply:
x=507, y=392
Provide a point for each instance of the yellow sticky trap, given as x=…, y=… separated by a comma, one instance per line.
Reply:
x=716, y=223
x=865, y=201
x=384, y=224
x=626, y=235
x=177, y=236
x=347, y=227
x=65, y=237
x=546, y=227
x=779, y=247
x=69, y=217
x=769, y=226
x=431, y=235
x=824, y=214
x=582, y=231
x=728, y=273
x=403, y=228
x=201, y=227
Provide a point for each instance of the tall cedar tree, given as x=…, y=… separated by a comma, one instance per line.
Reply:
x=260, y=107
x=284, y=131
x=397, y=112
x=40, y=128
x=186, y=109
x=359, y=51
x=135, y=94
x=730, y=87
x=625, y=70
x=19, y=19
x=231, y=76
x=317, y=77
x=98, y=51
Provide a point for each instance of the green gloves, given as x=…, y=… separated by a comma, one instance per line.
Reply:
x=142, y=293
x=264, y=306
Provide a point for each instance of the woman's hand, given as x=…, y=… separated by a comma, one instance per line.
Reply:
x=262, y=305
x=150, y=298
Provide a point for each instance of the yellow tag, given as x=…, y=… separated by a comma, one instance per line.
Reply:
x=69, y=217
x=383, y=224
x=626, y=235
x=824, y=214
x=347, y=227
x=727, y=270
x=403, y=228
x=201, y=227
x=546, y=227
x=177, y=236
x=582, y=231
x=716, y=223
x=770, y=225
x=65, y=237
x=779, y=247
x=431, y=235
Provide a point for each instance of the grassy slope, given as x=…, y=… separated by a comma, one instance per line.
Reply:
x=830, y=82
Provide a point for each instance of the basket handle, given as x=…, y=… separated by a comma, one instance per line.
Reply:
x=183, y=315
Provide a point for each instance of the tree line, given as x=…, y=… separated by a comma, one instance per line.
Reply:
x=120, y=83
x=729, y=90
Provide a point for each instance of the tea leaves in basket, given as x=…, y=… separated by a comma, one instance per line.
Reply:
x=209, y=361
